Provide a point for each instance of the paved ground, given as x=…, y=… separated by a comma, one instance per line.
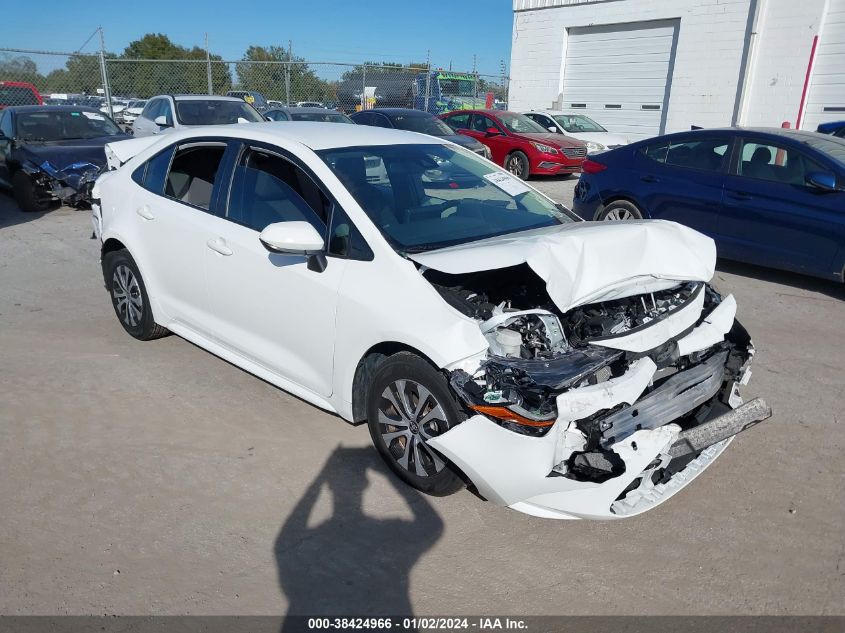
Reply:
x=140, y=478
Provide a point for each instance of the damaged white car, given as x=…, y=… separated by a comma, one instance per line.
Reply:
x=487, y=336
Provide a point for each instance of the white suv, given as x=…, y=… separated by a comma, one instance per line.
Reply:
x=165, y=113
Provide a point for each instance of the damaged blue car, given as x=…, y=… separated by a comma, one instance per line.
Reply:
x=50, y=153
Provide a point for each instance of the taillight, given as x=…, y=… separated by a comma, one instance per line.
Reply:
x=592, y=166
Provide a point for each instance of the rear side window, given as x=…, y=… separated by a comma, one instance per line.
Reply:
x=192, y=174
x=458, y=121
x=702, y=154
x=267, y=188
x=155, y=171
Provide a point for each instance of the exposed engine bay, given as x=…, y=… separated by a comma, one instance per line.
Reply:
x=544, y=367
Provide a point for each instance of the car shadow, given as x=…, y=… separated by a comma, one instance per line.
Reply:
x=11, y=214
x=352, y=564
x=830, y=288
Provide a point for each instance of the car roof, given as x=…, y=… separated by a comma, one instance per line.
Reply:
x=304, y=110
x=195, y=97
x=399, y=111
x=555, y=112
x=314, y=135
x=50, y=108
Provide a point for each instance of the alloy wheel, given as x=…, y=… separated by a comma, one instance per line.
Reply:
x=619, y=213
x=127, y=295
x=515, y=165
x=408, y=416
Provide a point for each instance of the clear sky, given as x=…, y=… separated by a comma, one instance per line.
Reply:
x=321, y=30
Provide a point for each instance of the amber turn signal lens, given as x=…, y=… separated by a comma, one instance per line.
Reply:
x=503, y=413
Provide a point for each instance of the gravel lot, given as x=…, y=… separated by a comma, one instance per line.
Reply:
x=154, y=478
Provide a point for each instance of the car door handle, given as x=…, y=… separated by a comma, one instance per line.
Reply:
x=650, y=179
x=145, y=213
x=740, y=195
x=218, y=245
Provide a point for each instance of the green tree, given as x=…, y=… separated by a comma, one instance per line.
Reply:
x=264, y=68
x=81, y=74
x=20, y=68
x=155, y=65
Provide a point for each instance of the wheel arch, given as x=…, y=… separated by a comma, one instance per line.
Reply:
x=366, y=367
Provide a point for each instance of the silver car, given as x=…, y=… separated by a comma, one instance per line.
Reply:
x=165, y=113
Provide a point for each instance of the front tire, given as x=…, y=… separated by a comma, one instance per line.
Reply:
x=409, y=402
x=620, y=210
x=517, y=164
x=27, y=196
x=129, y=296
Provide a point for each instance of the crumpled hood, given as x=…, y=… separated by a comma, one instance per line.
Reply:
x=587, y=262
x=63, y=154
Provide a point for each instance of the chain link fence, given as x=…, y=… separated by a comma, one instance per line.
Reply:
x=109, y=82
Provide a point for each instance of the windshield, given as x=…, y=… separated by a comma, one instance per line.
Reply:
x=577, y=123
x=321, y=117
x=422, y=124
x=423, y=197
x=457, y=87
x=63, y=125
x=214, y=112
x=520, y=124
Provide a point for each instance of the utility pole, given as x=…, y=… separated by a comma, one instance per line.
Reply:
x=427, y=106
x=474, y=80
x=287, y=72
x=208, y=65
x=105, y=74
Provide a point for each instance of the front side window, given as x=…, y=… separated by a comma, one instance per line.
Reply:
x=193, y=173
x=215, y=112
x=345, y=240
x=423, y=197
x=277, y=115
x=481, y=123
x=267, y=188
x=152, y=109
x=777, y=163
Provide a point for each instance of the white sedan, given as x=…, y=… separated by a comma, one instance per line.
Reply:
x=566, y=369
x=580, y=126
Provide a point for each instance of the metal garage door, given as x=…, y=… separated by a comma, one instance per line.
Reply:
x=826, y=99
x=619, y=75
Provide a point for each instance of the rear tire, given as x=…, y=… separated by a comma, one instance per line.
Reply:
x=620, y=210
x=517, y=164
x=408, y=402
x=129, y=296
x=27, y=195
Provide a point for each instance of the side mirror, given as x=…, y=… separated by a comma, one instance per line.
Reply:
x=161, y=121
x=491, y=131
x=822, y=180
x=552, y=128
x=292, y=238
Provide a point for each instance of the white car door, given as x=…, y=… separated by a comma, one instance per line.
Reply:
x=275, y=309
x=173, y=223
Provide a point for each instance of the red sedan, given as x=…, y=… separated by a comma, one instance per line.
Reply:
x=517, y=143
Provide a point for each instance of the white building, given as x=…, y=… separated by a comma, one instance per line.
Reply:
x=645, y=67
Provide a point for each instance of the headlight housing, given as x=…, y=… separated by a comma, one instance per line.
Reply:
x=545, y=149
x=592, y=146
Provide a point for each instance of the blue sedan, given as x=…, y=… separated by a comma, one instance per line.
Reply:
x=771, y=197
